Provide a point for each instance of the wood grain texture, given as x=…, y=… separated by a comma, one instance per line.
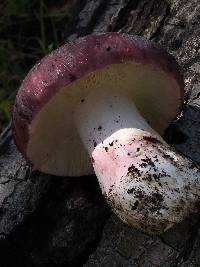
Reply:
x=51, y=221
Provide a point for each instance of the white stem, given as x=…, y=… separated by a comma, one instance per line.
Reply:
x=145, y=181
x=100, y=115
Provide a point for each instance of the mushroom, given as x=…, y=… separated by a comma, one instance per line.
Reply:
x=101, y=104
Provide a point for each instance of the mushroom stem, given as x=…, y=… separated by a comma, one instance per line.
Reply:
x=147, y=183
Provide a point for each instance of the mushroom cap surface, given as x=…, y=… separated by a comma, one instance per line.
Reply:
x=42, y=119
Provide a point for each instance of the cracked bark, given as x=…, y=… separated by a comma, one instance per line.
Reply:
x=51, y=221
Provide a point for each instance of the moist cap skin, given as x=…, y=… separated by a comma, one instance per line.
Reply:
x=101, y=104
x=43, y=113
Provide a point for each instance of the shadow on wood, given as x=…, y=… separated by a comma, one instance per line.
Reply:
x=53, y=221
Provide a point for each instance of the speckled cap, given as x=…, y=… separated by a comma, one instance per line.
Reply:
x=76, y=61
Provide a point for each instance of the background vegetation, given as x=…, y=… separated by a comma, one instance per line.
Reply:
x=28, y=31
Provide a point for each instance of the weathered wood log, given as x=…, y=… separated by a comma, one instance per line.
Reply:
x=54, y=221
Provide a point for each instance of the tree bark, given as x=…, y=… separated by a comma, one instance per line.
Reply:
x=54, y=221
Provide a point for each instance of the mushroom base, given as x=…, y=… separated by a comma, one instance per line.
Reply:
x=147, y=184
